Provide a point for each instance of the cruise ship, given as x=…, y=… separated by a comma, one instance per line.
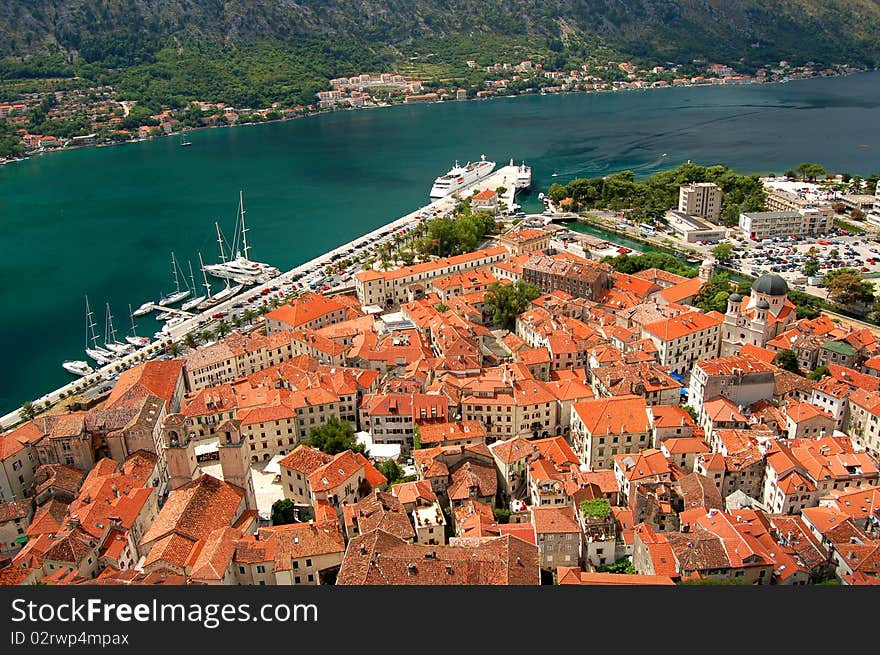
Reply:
x=461, y=176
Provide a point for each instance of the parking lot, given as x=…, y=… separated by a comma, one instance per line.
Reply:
x=787, y=256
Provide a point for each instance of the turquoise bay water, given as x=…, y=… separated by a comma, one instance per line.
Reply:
x=103, y=221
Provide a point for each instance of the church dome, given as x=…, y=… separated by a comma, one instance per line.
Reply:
x=762, y=304
x=770, y=285
x=735, y=297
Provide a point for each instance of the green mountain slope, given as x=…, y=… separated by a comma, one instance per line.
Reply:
x=718, y=30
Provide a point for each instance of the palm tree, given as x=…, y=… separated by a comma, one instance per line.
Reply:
x=176, y=349
x=263, y=310
x=28, y=411
x=190, y=340
x=249, y=315
x=206, y=335
x=236, y=321
x=275, y=302
x=222, y=329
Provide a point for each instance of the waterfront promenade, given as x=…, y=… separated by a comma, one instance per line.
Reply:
x=442, y=206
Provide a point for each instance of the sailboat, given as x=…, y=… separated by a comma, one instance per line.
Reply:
x=184, y=141
x=133, y=338
x=193, y=302
x=100, y=355
x=110, y=341
x=224, y=293
x=177, y=295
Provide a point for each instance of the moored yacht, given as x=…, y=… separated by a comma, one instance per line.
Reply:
x=77, y=367
x=241, y=269
x=144, y=309
x=178, y=294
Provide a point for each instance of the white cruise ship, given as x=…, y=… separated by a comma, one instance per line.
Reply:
x=461, y=176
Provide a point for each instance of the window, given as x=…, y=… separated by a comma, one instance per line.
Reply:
x=308, y=562
x=297, y=580
x=241, y=569
x=261, y=568
x=311, y=578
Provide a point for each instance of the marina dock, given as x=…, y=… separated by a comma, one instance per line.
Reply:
x=171, y=310
x=503, y=176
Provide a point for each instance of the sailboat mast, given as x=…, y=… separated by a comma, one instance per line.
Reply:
x=244, y=229
x=174, y=271
x=204, y=274
x=110, y=337
x=220, y=241
x=192, y=279
x=133, y=326
x=90, y=322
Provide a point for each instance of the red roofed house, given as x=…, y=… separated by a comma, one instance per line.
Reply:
x=559, y=536
x=740, y=378
x=311, y=477
x=804, y=420
x=296, y=554
x=309, y=311
x=525, y=240
x=15, y=516
x=686, y=339
x=605, y=427
x=486, y=200
x=379, y=558
x=391, y=418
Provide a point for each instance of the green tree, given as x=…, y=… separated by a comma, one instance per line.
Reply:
x=175, y=350
x=714, y=293
x=392, y=472
x=223, y=328
x=595, y=508
x=787, y=359
x=283, y=512
x=190, y=340
x=811, y=266
x=333, y=437
x=690, y=410
x=28, y=411
x=847, y=287
x=507, y=301
x=502, y=515
x=723, y=252
x=249, y=315
x=810, y=171
x=818, y=373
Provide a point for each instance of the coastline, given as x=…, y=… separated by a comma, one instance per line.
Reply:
x=317, y=113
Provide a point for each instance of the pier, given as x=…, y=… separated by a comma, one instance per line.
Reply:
x=170, y=310
x=504, y=176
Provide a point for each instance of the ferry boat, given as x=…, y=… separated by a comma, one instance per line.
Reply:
x=241, y=269
x=461, y=176
x=522, y=178
x=77, y=367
